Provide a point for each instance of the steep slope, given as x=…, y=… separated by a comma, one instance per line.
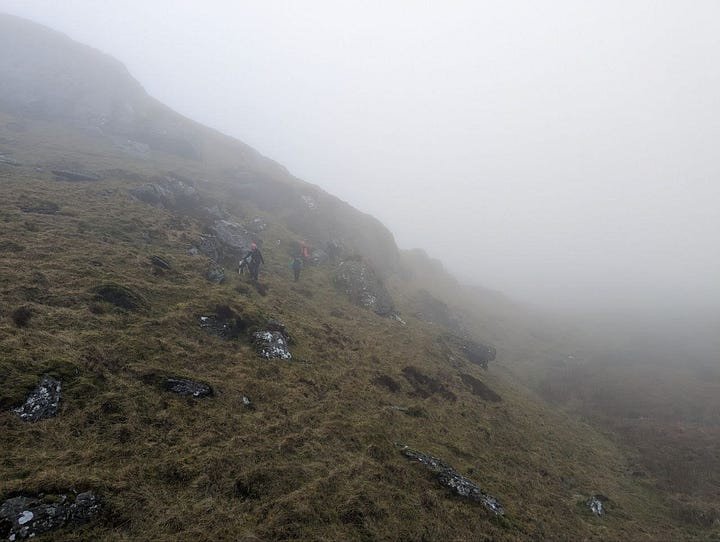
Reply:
x=113, y=293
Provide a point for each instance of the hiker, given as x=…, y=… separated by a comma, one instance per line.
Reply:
x=296, y=267
x=304, y=251
x=255, y=260
x=252, y=261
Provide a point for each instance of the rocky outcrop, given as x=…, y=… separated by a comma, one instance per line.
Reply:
x=359, y=282
x=28, y=517
x=43, y=402
x=170, y=193
x=595, y=504
x=182, y=386
x=453, y=480
x=479, y=354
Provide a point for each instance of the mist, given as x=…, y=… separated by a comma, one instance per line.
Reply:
x=563, y=153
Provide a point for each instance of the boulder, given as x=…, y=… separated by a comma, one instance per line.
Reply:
x=209, y=246
x=183, y=386
x=271, y=345
x=28, y=517
x=170, y=193
x=480, y=389
x=234, y=239
x=257, y=225
x=43, y=402
x=224, y=323
x=364, y=288
x=120, y=296
x=453, y=480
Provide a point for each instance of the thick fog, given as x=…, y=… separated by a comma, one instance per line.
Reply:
x=564, y=152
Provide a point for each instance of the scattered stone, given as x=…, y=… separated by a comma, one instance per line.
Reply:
x=595, y=503
x=193, y=251
x=225, y=323
x=43, y=402
x=248, y=404
x=215, y=274
x=66, y=175
x=27, y=517
x=480, y=389
x=120, y=296
x=182, y=386
x=271, y=345
x=157, y=261
x=364, y=288
x=453, y=480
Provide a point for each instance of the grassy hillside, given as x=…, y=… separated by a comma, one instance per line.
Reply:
x=106, y=293
x=315, y=456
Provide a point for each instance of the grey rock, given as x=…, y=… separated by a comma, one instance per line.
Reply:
x=67, y=175
x=234, y=239
x=157, y=261
x=209, y=246
x=595, y=503
x=28, y=517
x=479, y=354
x=364, y=288
x=453, y=480
x=183, y=386
x=43, y=402
x=215, y=274
x=271, y=345
x=171, y=193
x=193, y=251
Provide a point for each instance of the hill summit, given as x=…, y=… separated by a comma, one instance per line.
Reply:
x=151, y=392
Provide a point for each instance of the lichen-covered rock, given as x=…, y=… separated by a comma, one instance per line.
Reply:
x=43, y=402
x=161, y=263
x=360, y=283
x=595, y=503
x=257, y=225
x=209, y=246
x=271, y=345
x=182, y=386
x=28, y=517
x=455, y=481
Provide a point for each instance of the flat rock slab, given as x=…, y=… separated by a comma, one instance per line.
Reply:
x=456, y=482
x=182, y=386
x=271, y=345
x=43, y=402
x=66, y=175
x=27, y=517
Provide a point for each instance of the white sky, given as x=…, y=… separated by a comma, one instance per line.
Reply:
x=563, y=152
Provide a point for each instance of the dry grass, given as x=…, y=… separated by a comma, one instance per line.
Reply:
x=315, y=459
